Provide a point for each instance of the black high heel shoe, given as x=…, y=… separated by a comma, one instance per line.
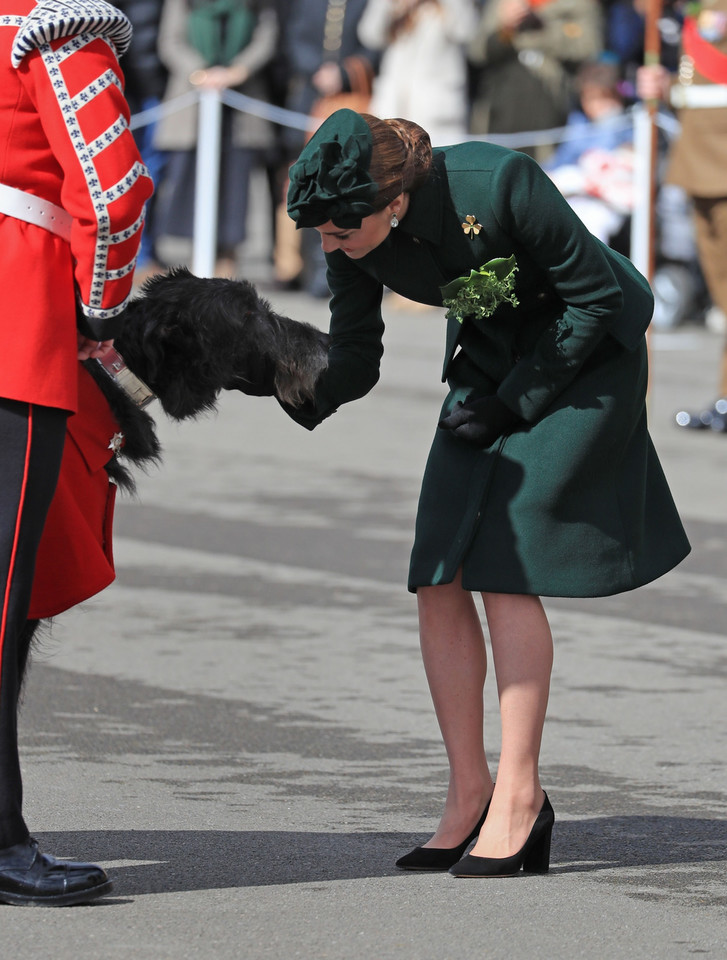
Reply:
x=439, y=858
x=534, y=857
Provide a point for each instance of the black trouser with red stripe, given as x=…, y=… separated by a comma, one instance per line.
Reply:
x=31, y=447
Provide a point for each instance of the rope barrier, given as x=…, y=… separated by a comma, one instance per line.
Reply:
x=301, y=121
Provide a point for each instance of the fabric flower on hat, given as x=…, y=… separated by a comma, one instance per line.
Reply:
x=330, y=180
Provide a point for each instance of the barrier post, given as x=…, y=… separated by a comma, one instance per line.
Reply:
x=207, y=183
x=641, y=245
x=643, y=232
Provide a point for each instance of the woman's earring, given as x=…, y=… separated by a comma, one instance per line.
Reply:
x=394, y=221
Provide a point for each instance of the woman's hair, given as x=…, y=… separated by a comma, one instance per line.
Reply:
x=401, y=157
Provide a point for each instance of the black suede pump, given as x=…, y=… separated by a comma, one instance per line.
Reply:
x=439, y=858
x=533, y=857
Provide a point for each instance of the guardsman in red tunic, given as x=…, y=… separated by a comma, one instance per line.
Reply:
x=73, y=190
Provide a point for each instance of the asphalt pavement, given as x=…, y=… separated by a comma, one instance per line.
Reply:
x=239, y=728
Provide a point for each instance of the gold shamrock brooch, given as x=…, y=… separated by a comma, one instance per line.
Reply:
x=471, y=227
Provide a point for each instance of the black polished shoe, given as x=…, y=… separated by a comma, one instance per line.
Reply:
x=713, y=418
x=534, y=857
x=439, y=858
x=34, y=879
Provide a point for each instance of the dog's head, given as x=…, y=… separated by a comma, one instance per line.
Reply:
x=188, y=338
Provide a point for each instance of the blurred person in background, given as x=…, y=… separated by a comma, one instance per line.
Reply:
x=423, y=70
x=678, y=285
x=525, y=54
x=218, y=45
x=593, y=166
x=328, y=67
x=625, y=32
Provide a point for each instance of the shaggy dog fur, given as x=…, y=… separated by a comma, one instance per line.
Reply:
x=188, y=338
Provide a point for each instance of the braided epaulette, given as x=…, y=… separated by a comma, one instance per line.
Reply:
x=52, y=19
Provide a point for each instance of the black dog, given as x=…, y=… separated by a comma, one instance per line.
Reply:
x=188, y=338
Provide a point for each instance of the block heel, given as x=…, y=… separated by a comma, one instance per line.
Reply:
x=537, y=858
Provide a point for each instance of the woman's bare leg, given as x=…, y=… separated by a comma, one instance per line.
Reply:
x=522, y=653
x=455, y=661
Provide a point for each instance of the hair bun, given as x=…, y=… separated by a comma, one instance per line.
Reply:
x=402, y=156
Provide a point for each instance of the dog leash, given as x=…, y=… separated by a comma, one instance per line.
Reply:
x=115, y=366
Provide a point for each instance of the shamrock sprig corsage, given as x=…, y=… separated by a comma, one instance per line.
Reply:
x=482, y=292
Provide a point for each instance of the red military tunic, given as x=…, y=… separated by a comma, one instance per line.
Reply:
x=48, y=95
x=64, y=137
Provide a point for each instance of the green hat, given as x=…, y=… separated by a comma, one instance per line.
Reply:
x=330, y=179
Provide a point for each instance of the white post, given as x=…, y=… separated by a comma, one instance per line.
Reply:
x=207, y=183
x=643, y=212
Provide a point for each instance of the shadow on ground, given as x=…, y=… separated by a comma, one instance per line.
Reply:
x=181, y=860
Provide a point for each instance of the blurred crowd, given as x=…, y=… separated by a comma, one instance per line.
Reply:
x=555, y=78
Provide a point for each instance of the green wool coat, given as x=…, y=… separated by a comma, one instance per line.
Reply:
x=574, y=502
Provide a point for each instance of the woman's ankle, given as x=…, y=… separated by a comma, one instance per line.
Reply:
x=528, y=795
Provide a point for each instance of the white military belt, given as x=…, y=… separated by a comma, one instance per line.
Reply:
x=26, y=206
x=699, y=95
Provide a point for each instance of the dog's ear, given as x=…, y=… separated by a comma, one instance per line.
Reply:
x=170, y=340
